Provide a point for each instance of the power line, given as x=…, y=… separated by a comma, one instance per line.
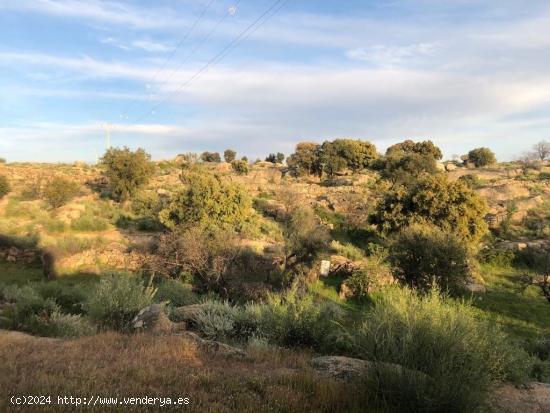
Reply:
x=245, y=34
x=173, y=53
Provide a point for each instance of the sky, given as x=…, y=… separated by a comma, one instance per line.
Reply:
x=176, y=76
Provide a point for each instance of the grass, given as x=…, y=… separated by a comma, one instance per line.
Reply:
x=523, y=314
x=12, y=273
x=139, y=365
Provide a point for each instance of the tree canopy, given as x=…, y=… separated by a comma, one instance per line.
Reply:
x=481, y=157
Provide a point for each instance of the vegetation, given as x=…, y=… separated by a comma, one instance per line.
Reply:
x=481, y=157
x=240, y=167
x=59, y=191
x=211, y=157
x=425, y=257
x=207, y=201
x=126, y=171
x=4, y=186
x=229, y=155
x=452, y=206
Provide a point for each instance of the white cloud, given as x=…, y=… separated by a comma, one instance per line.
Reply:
x=392, y=55
x=144, y=44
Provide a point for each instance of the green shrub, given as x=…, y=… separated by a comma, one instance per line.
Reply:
x=127, y=171
x=423, y=255
x=229, y=155
x=117, y=299
x=460, y=356
x=28, y=304
x=472, y=180
x=89, y=223
x=207, y=201
x=347, y=250
x=64, y=325
x=176, y=292
x=70, y=298
x=5, y=187
x=240, y=167
x=211, y=157
x=59, y=191
x=481, y=157
x=216, y=320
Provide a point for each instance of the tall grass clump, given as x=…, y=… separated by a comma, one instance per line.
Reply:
x=458, y=357
x=117, y=299
x=89, y=223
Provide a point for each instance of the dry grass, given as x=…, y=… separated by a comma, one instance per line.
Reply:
x=132, y=366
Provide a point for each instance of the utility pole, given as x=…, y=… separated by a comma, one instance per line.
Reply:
x=108, y=128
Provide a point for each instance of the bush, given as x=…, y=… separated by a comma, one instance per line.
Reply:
x=177, y=293
x=209, y=202
x=450, y=205
x=5, y=187
x=65, y=325
x=405, y=169
x=211, y=157
x=347, y=250
x=240, y=167
x=423, y=255
x=481, y=157
x=408, y=147
x=59, y=191
x=216, y=320
x=34, y=189
x=229, y=155
x=89, y=223
x=368, y=278
x=471, y=180
x=460, y=356
x=117, y=299
x=2, y=160
x=28, y=304
x=127, y=171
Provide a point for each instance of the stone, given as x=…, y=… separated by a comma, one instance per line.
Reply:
x=214, y=346
x=345, y=291
x=450, y=167
x=349, y=369
x=153, y=320
x=187, y=313
x=325, y=268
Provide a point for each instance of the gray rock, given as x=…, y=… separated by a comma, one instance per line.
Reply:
x=154, y=320
x=476, y=288
x=214, y=346
x=187, y=313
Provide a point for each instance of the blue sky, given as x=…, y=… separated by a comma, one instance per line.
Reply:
x=464, y=73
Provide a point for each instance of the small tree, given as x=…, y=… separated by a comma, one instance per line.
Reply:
x=59, y=191
x=211, y=157
x=5, y=187
x=207, y=201
x=275, y=157
x=305, y=160
x=481, y=157
x=229, y=155
x=424, y=256
x=542, y=149
x=240, y=167
x=421, y=148
x=127, y=171
x=280, y=157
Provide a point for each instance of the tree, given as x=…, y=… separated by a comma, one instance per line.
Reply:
x=275, y=158
x=240, y=167
x=280, y=157
x=421, y=148
x=449, y=205
x=59, y=191
x=229, y=155
x=423, y=256
x=481, y=157
x=207, y=256
x=340, y=154
x=211, y=157
x=405, y=169
x=127, y=171
x=207, y=201
x=5, y=187
x=542, y=149
x=305, y=159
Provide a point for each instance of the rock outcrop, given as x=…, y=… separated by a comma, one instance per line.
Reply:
x=154, y=320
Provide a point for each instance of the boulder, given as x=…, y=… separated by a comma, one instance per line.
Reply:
x=533, y=398
x=214, y=346
x=187, y=313
x=450, y=167
x=349, y=369
x=154, y=320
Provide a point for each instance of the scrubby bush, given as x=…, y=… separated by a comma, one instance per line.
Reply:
x=5, y=187
x=347, y=250
x=216, y=320
x=211, y=157
x=207, y=201
x=88, y=223
x=450, y=205
x=408, y=147
x=33, y=189
x=422, y=256
x=28, y=304
x=450, y=359
x=240, y=167
x=481, y=157
x=353, y=154
x=229, y=155
x=126, y=171
x=176, y=293
x=472, y=180
x=305, y=159
x=369, y=277
x=59, y=191
x=66, y=325
x=117, y=299
x=275, y=157
x=405, y=169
